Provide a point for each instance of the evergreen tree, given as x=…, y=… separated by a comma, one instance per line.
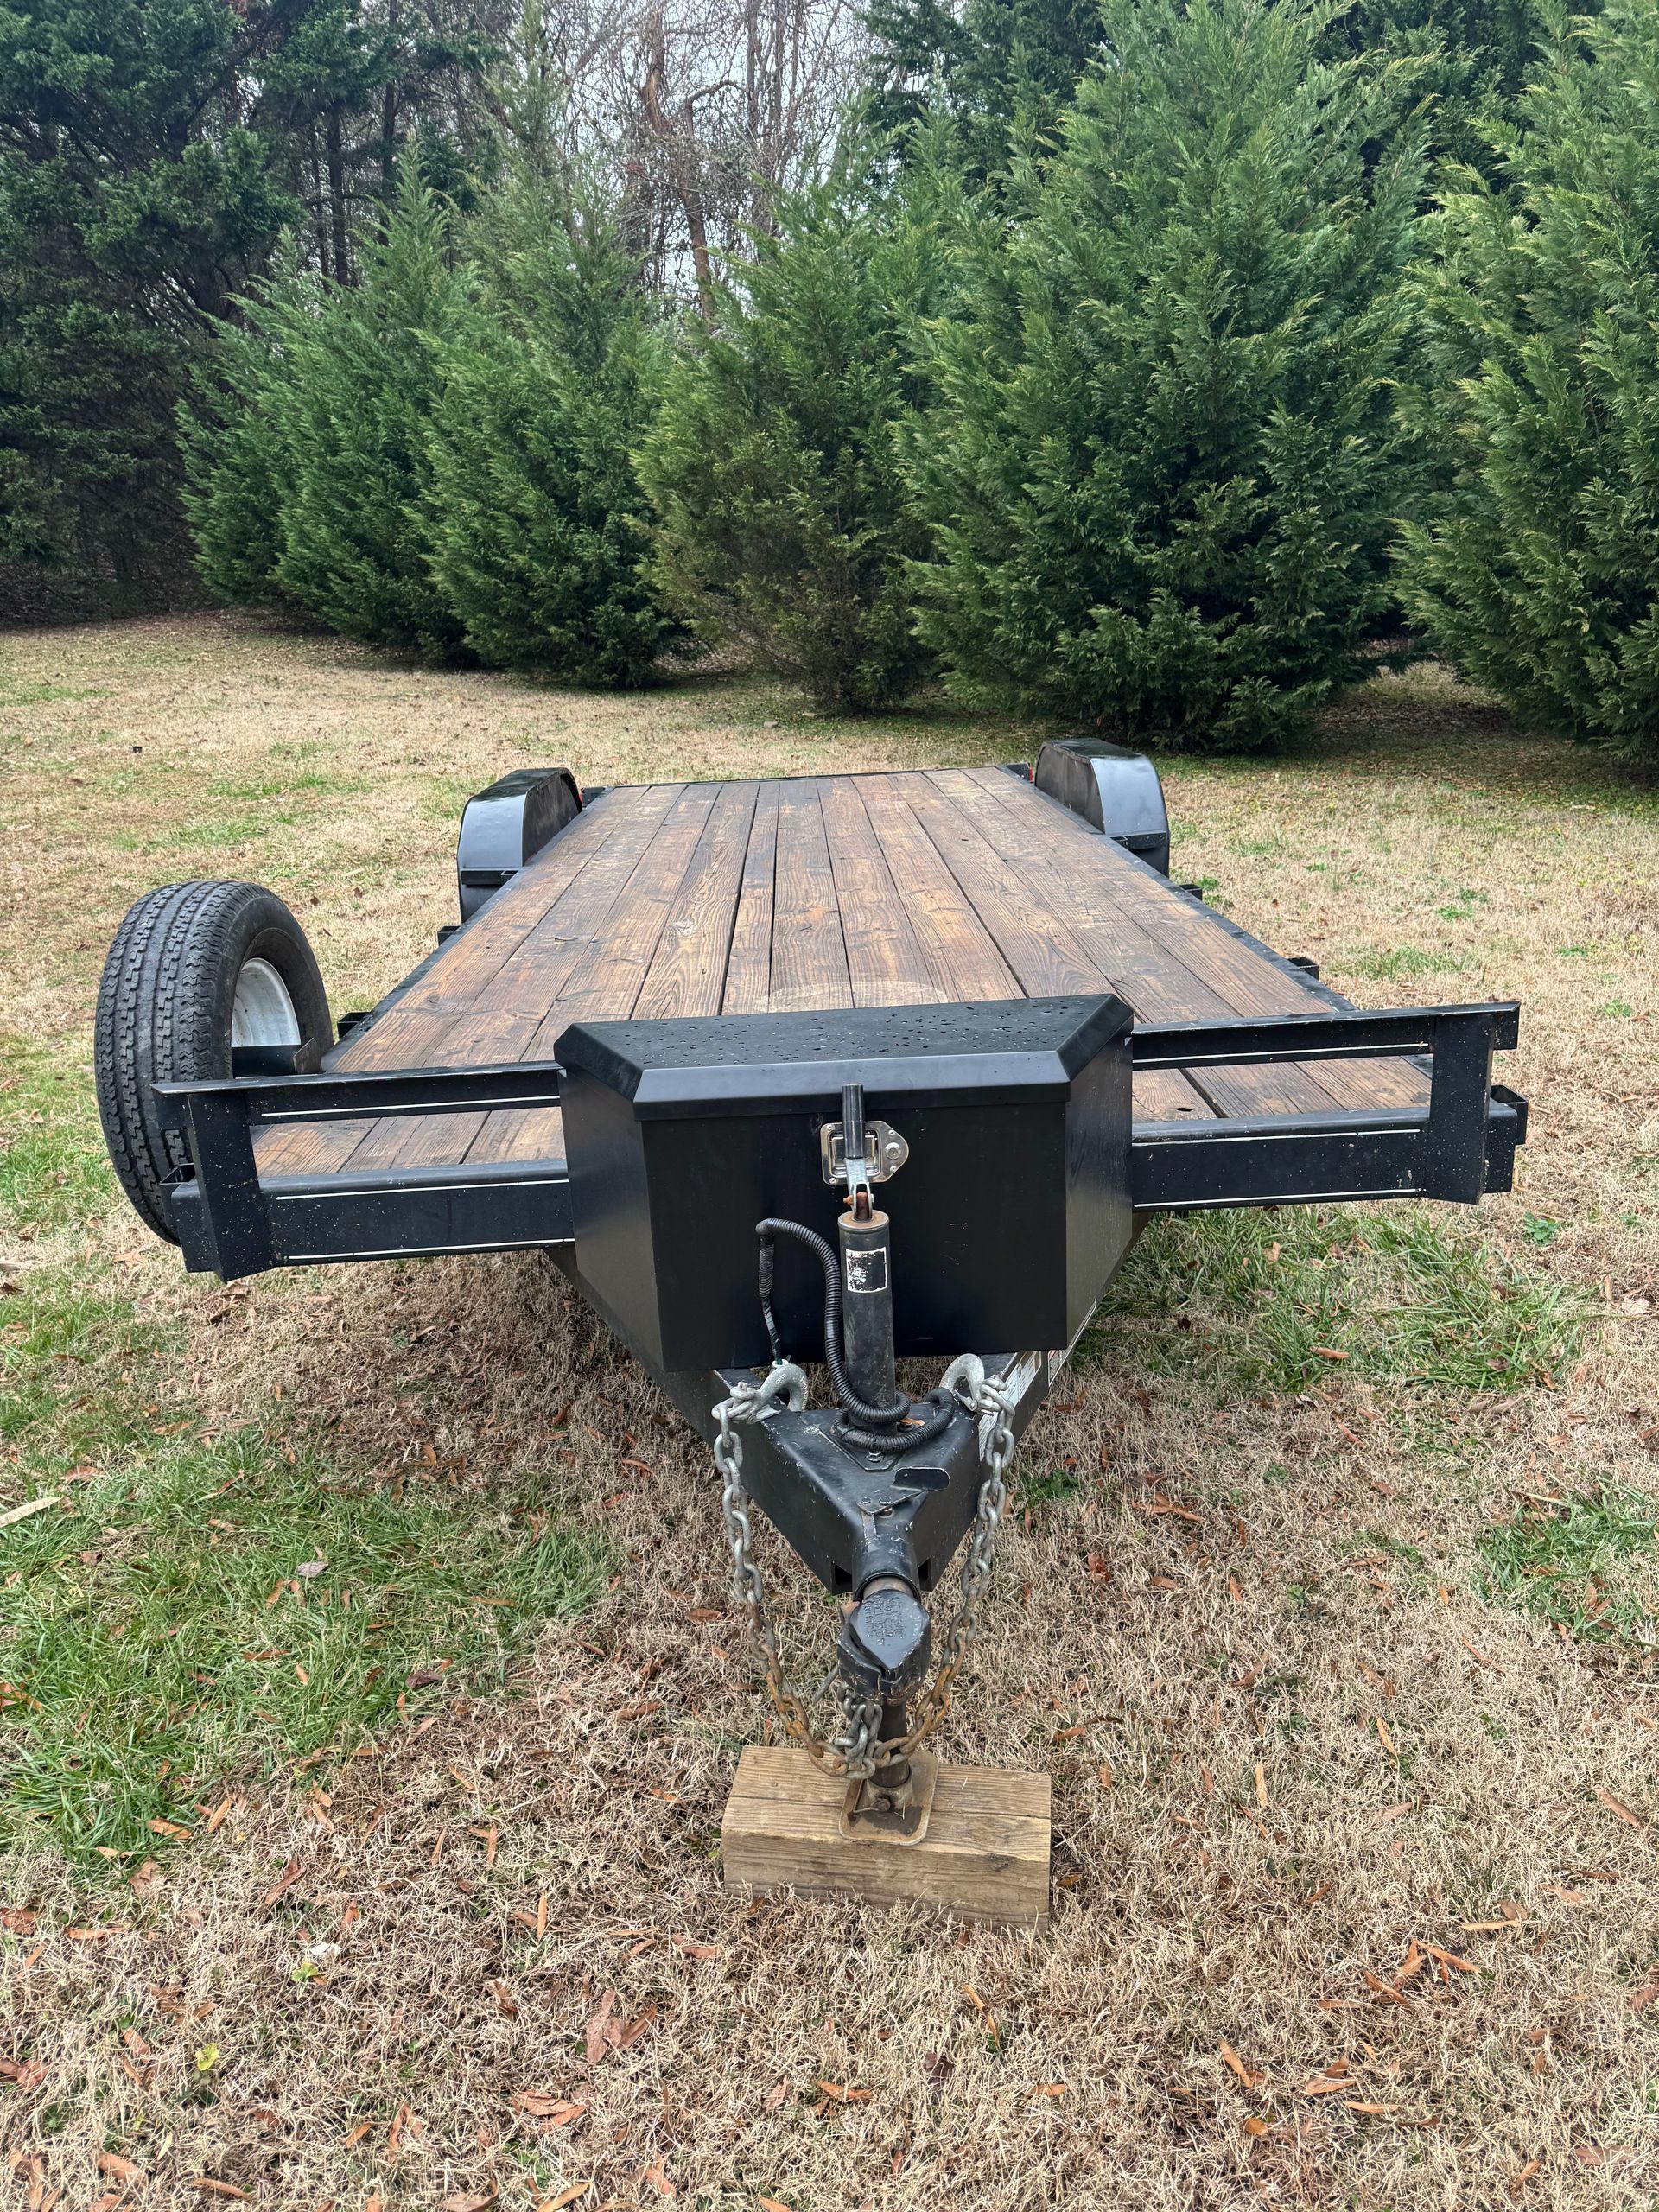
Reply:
x=352, y=410
x=1162, y=459
x=131, y=193
x=1541, y=576
x=783, y=523
x=539, y=526
x=997, y=69
x=1471, y=60
x=238, y=464
x=151, y=153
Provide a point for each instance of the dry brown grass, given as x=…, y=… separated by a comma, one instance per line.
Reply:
x=1283, y=1754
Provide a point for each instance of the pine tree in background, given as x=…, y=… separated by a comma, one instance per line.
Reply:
x=352, y=413
x=1163, y=459
x=539, y=530
x=996, y=70
x=151, y=153
x=1472, y=58
x=783, y=523
x=239, y=465
x=1540, y=577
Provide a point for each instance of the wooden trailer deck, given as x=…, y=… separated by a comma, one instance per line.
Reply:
x=885, y=889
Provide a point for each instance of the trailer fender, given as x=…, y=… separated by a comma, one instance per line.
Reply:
x=1114, y=790
x=506, y=826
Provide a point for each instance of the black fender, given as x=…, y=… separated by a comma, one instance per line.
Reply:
x=508, y=824
x=1116, y=790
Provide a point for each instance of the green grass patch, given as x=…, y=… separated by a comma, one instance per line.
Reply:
x=1050, y=1486
x=15, y=693
x=1279, y=1300
x=190, y=834
x=53, y=1173
x=281, y=786
x=1561, y=1562
x=1403, y=962
x=198, y=1607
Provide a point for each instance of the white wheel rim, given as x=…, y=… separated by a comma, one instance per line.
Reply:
x=261, y=1012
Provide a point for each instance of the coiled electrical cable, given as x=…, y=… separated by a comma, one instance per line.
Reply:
x=872, y=1428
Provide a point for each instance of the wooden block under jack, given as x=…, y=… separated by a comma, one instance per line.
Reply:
x=985, y=1852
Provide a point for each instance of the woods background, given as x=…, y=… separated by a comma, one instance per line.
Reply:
x=1155, y=367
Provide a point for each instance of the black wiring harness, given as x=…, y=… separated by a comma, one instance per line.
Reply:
x=871, y=1428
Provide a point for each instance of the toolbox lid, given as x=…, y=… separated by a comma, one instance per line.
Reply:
x=979, y=1052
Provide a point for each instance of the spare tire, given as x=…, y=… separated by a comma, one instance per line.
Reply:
x=194, y=969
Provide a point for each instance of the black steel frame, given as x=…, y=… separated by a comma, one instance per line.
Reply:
x=232, y=1222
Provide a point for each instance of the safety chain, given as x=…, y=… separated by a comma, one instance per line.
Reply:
x=851, y=1752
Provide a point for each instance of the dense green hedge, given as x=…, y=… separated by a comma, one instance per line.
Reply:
x=1143, y=374
x=1163, y=455
x=438, y=459
x=783, y=523
x=1539, y=574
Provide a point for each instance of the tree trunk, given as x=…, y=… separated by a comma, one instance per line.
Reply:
x=388, y=117
x=319, y=216
x=337, y=198
x=681, y=172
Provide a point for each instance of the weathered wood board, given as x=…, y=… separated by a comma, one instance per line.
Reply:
x=815, y=893
x=985, y=1853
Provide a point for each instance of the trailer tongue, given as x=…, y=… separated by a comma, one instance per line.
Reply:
x=751, y=1155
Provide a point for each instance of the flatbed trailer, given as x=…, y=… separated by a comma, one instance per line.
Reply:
x=684, y=1035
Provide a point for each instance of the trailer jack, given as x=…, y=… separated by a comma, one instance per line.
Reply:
x=881, y=1463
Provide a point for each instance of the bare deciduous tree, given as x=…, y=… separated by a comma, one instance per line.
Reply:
x=697, y=108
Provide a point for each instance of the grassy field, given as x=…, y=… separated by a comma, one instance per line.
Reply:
x=368, y=1689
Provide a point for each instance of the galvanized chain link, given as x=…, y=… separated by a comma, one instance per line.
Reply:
x=851, y=1752
x=993, y=1403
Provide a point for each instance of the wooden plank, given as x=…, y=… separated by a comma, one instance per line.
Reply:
x=748, y=965
x=455, y=1040
x=1166, y=1095
x=887, y=965
x=1079, y=883
x=960, y=951
x=1247, y=981
x=522, y=1133
x=308, y=1147
x=1041, y=952
x=474, y=955
x=809, y=952
x=416, y=1141
x=531, y=979
x=1250, y=982
x=404, y=1036
x=985, y=1853
x=687, y=975
x=1167, y=969
x=605, y=982
x=1391, y=1083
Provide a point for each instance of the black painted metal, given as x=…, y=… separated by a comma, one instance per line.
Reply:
x=1305, y=1160
x=412, y=1213
x=393, y=1091
x=1007, y=1222
x=227, y=1221
x=851, y=1516
x=506, y=825
x=1116, y=789
x=231, y=1224
x=867, y=1305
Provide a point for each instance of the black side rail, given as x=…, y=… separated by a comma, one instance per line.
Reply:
x=1462, y=1147
x=236, y=1232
